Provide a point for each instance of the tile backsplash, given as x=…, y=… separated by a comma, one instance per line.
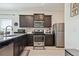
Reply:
x=30, y=30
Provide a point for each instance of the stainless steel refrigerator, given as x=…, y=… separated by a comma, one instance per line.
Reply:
x=59, y=34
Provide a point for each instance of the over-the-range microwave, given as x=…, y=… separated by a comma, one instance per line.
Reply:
x=39, y=24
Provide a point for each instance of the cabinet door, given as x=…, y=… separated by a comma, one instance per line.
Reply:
x=38, y=17
x=47, y=21
x=25, y=40
x=21, y=44
x=16, y=47
x=30, y=40
x=26, y=20
x=48, y=40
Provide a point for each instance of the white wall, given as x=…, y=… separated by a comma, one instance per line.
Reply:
x=71, y=29
x=57, y=16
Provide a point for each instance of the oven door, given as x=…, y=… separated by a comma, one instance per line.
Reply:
x=39, y=40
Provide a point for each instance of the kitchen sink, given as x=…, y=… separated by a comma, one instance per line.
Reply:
x=9, y=35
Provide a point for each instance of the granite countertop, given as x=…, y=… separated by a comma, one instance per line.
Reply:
x=3, y=38
x=73, y=52
x=49, y=33
x=44, y=33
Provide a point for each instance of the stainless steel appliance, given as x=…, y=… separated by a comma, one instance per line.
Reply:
x=38, y=20
x=59, y=34
x=38, y=39
x=38, y=24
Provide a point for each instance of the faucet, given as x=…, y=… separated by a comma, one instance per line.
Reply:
x=6, y=29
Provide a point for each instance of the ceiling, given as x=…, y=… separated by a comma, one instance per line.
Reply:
x=31, y=6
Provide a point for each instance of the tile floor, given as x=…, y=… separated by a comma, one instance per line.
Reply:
x=28, y=51
x=49, y=51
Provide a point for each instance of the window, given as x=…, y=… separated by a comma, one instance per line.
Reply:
x=4, y=23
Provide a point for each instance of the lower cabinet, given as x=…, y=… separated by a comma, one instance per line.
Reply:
x=19, y=44
x=30, y=40
x=25, y=43
x=16, y=47
x=49, y=40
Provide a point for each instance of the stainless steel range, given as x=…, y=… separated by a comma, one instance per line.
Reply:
x=38, y=38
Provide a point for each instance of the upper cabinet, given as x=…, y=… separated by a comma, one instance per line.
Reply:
x=29, y=20
x=47, y=21
x=38, y=17
x=26, y=20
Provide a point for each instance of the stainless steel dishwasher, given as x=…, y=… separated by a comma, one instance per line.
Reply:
x=38, y=39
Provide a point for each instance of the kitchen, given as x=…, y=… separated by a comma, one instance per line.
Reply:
x=21, y=26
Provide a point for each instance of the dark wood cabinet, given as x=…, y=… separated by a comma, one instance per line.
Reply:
x=16, y=47
x=26, y=20
x=38, y=17
x=25, y=41
x=47, y=21
x=22, y=21
x=48, y=40
x=19, y=45
x=30, y=39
